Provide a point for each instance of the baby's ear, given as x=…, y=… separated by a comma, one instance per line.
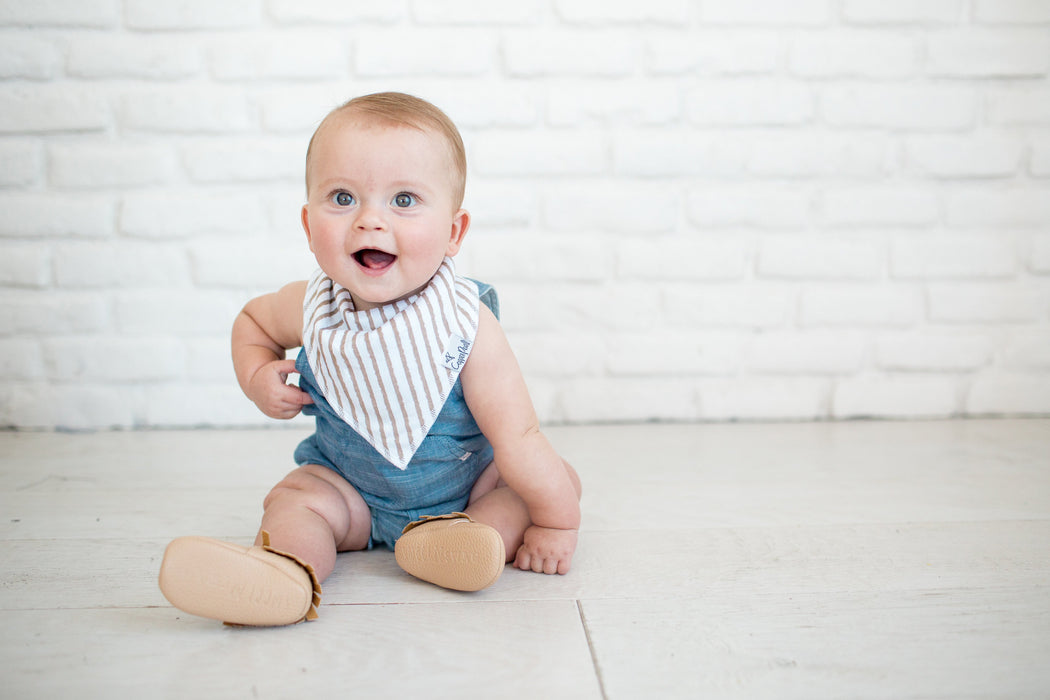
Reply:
x=304, y=215
x=460, y=224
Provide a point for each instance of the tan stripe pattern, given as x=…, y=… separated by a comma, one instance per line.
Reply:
x=383, y=370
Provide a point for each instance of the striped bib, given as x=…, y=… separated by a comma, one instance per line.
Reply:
x=388, y=371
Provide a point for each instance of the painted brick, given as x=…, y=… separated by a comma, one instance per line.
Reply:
x=44, y=109
x=116, y=265
x=171, y=312
x=799, y=12
x=25, y=266
x=581, y=208
x=860, y=54
x=20, y=359
x=683, y=258
x=820, y=154
x=965, y=156
x=1040, y=162
x=192, y=405
x=266, y=265
x=547, y=53
x=984, y=53
x=674, y=152
x=186, y=109
x=604, y=11
x=953, y=256
x=21, y=162
x=1028, y=105
x=628, y=398
x=991, y=209
x=98, y=14
x=53, y=313
x=765, y=206
x=622, y=103
x=1011, y=11
x=522, y=257
x=284, y=56
x=755, y=305
x=852, y=305
x=768, y=398
x=903, y=11
x=565, y=354
x=793, y=256
x=146, y=57
x=41, y=215
x=680, y=353
x=329, y=12
x=438, y=52
x=750, y=103
x=102, y=165
x=72, y=407
x=30, y=58
x=1011, y=394
x=988, y=303
x=718, y=52
x=933, y=351
x=926, y=107
x=1027, y=350
x=896, y=396
x=120, y=360
x=489, y=104
x=530, y=307
x=499, y=204
x=191, y=14
x=1039, y=254
x=181, y=215
x=243, y=160
x=879, y=206
x=469, y=12
x=540, y=153
x=817, y=352
x=208, y=360
x=297, y=108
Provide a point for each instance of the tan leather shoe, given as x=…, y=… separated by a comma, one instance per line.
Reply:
x=451, y=551
x=257, y=586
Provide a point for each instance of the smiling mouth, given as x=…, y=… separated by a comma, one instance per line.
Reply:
x=372, y=259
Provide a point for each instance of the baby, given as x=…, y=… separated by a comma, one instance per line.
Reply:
x=426, y=440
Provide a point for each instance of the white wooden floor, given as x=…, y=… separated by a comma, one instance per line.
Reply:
x=853, y=560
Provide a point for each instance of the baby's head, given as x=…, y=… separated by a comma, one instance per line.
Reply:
x=399, y=109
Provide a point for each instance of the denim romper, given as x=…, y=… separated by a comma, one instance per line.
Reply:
x=437, y=481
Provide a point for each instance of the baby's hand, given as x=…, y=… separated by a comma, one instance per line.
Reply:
x=546, y=550
x=270, y=392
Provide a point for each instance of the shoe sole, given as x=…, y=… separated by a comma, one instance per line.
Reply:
x=459, y=555
x=234, y=584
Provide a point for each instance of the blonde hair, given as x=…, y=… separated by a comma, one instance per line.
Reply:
x=413, y=112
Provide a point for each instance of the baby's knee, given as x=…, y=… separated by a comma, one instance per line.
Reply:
x=304, y=490
x=574, y=478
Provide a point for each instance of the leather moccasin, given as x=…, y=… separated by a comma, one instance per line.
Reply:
x=451, y=551
x=253, y=586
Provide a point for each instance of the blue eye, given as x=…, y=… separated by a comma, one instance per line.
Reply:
x=404, y=200
x=343, y=199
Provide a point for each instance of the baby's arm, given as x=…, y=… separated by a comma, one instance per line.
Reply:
x=495, y=391
x=265, y=328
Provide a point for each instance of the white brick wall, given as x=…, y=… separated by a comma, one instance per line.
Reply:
x=693, y=209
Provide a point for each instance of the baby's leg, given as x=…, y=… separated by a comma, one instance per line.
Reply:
x=309, y=516
x=495, y=504
x=313, y=513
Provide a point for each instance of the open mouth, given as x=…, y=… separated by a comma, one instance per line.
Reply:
x=372, y=259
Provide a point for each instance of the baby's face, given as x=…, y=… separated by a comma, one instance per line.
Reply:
x=380, y=215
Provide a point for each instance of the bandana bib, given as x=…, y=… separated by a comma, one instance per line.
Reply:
x=388, y=371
